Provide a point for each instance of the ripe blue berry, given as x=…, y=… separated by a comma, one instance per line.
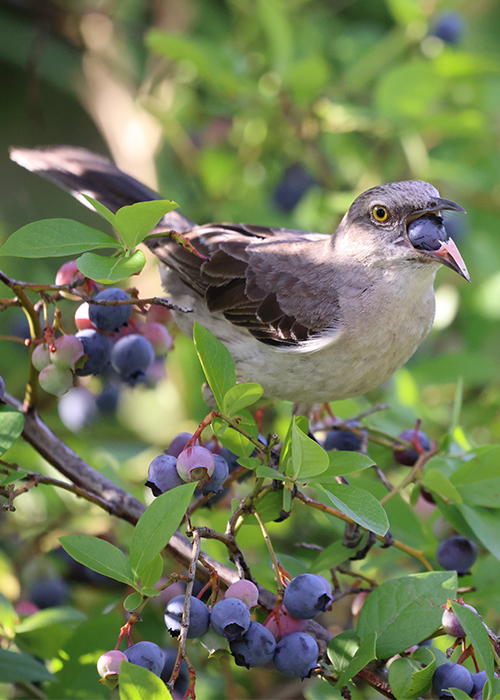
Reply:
x=131, y=357
x=307, y=595
x=478, y=681
x=230, y=618
x=451, y=676
x=294, y=184
x=163, y=475
x=343, y=440
x=97, y=349
x=110, y=318
x=49, y=592
x=220, y=474
x=148, y=655
x=199, y=617
x=2, y=387
x=296, y=655
x=254, y=648
x=408, y=456
x=178, y=444
x=450, y=27
x=182, y=682
x=457, y=554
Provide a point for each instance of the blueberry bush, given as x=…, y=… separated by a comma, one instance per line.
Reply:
x=153, y=544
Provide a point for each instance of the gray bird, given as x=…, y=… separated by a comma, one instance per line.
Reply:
x=311, y=317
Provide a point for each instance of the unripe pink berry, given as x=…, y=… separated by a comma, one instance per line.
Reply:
x=56, y=380
x=82, y=320
x=450, y=622
x=195, y=464
x=158, y=314
x=66, y=274
x=68, y=350
x=41, y=357
x=108, y=667
x=245, y=591
x=288, y=625
x=158, y=336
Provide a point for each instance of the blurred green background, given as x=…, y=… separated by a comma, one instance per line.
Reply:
x=271, y=112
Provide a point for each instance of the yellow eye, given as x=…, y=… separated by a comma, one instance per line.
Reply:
x=380, y=213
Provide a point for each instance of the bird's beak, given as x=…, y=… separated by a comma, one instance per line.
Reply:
x=427, y=234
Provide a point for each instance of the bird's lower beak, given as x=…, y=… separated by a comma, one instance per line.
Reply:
x=449, y=255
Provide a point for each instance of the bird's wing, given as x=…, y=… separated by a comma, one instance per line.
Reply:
x=258, y=278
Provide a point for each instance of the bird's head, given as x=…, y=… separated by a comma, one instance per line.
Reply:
x=401, y=221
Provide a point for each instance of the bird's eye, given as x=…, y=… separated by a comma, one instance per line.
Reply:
x=380, y=213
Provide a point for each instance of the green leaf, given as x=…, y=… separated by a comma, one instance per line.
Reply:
x=359, y=505
x=343, y=462
x=54, y=238
x=46, y=632
x=477, y=479
x=332, y=556
x=459, y=694
x=437, y=481
x=21, y=668
x=484, y=524
x=137, y=683
x=102, y=210
x=107, y=270
x=269, y=507
x=12, y=478
x=405, y=611
x=156, y=526
x=249, y=462
x=478, y=635
x=241, y=396
x=232, y=439
x=11, y=427
x=308, y=457
x=99, y=555
x=132, y=601
x=8, y=616
x=408, y=680
x=51, y=616
x=270, y=473
x=135, y=221
x=364, y=654
x=153, y=572
x=342, y=649
x=216, y=362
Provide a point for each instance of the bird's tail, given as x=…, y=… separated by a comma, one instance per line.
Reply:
x=82, y=172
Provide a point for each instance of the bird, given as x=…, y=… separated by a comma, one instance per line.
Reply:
x=311, y=317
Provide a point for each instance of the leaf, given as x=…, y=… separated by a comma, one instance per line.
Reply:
x=21, y=668
x=46, y=632
x=216, y=362
x=12, y=478
x=137, y=683
x=364, y=654
x=51, y=616
x=132, y=601
x=459, y=694
x=232, y=439
x=308, y=457
x=343, y=462
x=408, y=680
x=269, y=507
x=249, y=462
x=405, y=611
x=270, y=473
x=52, y=238
x=438, y=482
x=478, y=478
x=101, y=209
x=11, y=427
x=107, y=269
x=484, y=524
x=135, y=221
x=478, y=635
x=99, y=555
x=342, y=649
x=156, y=526
x=359, y=505
x=332, y=556
x=153, y=572
x=241, y=396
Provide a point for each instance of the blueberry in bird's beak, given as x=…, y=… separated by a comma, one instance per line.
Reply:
x=428, y=234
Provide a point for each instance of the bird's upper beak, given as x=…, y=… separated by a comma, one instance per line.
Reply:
x=427, y=234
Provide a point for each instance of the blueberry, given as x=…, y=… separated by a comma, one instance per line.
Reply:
x=307, y=595
x=478, y=681
x=49, y=592
x=230, y=618
x=182, y=682
x=450, y=622
x=296, y=655
x=199, y=617
x=107, y=400
x=163, y=475
x=427, y=232
x=220, y=474
x=254, y=648
x=131, y=357
x=178, y=444
x=408, y=456
x=451, y=676
x=294, y=184
x=110, y=318
x=148, y=655
x=2, y=387
x=342, y=440
x=97, y=348
x=449, y=27
x=457, y=554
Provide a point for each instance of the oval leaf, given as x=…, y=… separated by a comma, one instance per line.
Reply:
x=21, y=668
x=216, y=362
x=137, y=683
x=98, y=555
x=157, y=525
x=241, y=396
x=308, y=457
x=107, y=270
x=52, y=238
x=11, y=427
x=132, y=601
x=478, y=635
x=359, y=505
x=133, y=222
